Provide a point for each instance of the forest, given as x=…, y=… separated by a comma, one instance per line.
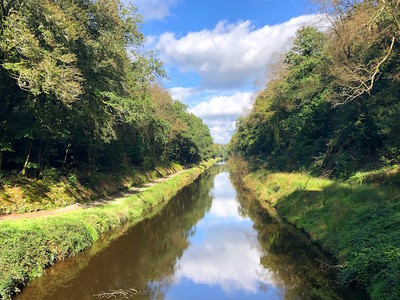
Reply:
x=332, y=107
x=79, y=93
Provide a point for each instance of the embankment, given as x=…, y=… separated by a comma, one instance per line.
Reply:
x=28, y=246
x=54, y=190
x=358, y=223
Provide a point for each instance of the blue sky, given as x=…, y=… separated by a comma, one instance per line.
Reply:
x=219, y=53
x=196, y=15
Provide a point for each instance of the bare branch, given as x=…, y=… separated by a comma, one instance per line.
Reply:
x=326, y=266
x=377, y=68
x=121, y=294
x=365, y=77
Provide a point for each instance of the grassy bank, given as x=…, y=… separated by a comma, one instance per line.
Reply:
x=28, y=246
x=54, y=190
x=358, y=223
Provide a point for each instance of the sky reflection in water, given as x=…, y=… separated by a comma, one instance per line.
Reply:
x=224, y=255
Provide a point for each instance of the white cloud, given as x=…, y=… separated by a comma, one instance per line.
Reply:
x=224, y=106
x=182, y=94
x=155, y=9
x=150, y=41
x=230, y=55
x=221, y=131
x=220, y=113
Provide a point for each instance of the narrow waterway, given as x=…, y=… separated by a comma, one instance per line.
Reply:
x=209, y=242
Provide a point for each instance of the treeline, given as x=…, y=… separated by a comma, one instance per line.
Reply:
x=77, y=91
x=334, y=107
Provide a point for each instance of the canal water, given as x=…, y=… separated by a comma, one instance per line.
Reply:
x=210, y=242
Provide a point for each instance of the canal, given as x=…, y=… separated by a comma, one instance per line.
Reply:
x=209, y=242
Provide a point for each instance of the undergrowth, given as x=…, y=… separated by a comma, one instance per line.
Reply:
x=20, y=195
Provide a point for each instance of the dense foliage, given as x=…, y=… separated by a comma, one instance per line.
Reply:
x=77, y=91
x=334, y=107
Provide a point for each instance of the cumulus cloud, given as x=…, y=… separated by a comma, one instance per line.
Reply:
x=231, y=55
x=155, y=9
x=223, y=106
x=221, y=112
x=182, y=94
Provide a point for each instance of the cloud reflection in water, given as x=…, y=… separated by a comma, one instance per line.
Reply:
x=224, y=251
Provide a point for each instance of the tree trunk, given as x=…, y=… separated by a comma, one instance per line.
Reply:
x=165, y=152
x=91, y=159
x=3, y=14
x=44, y=149
x=66, y=156
x=23, y=172
x=39, y=158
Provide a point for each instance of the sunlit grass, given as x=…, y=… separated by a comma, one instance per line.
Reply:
x=21, y=195
x=357, y=223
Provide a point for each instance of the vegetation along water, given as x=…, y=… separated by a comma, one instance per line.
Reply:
x=209, y=241
x=90, y=129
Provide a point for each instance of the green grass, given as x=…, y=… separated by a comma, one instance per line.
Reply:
x=28, y=246
x=384, y=176
x=358, y=223
x=21, y=195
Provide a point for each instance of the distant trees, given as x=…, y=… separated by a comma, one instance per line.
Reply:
x=77, y=91
x=335, y=107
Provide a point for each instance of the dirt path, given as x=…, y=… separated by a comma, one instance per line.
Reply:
x=116, y=198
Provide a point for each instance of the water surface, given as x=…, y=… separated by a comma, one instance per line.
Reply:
x=209, y=242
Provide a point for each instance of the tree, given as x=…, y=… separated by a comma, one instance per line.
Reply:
x=364, y=41
x=78, y=90
x=296, y=122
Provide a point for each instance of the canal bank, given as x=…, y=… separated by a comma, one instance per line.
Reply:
x=208, y=242
x=28, y=246
x=356, y=223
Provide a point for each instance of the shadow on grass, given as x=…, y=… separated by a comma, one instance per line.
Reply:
x=106, y=200
x=36, y=192
x=23, y=195
x=359, y=224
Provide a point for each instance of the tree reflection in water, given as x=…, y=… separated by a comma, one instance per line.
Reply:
x=209, y=242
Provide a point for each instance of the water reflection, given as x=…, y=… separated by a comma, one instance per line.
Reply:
x=224, y=252
x=209, y=242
